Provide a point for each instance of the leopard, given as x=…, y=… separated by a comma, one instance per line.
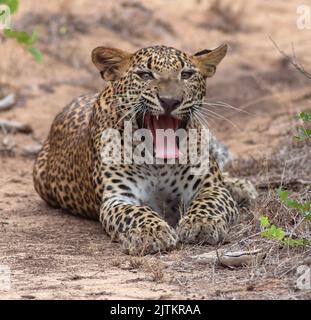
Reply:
x=147, y=207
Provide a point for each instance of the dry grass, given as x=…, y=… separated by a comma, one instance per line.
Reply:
x=135, y=262
x=116, y=263
x=289, y=168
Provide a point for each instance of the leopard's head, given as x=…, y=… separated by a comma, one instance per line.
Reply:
x=159, y=87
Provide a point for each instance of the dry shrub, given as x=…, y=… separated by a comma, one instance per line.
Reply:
x=116, y=263
x=135, y=262
x=154, y=268
x=225, y=16
x=157, y=274
x=288, y=166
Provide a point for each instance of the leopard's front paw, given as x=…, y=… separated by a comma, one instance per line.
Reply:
x=242, y=190
x=152, y=237
x=202, y=229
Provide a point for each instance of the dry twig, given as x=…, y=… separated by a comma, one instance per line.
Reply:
x=292, y=60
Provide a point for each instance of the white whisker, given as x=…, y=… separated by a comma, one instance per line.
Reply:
x=219, y=117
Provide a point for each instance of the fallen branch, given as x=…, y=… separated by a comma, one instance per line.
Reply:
x=14, y=126
x=278, y=182
x=232, y=259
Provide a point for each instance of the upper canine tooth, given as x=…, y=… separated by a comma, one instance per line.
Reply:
x=157, y=117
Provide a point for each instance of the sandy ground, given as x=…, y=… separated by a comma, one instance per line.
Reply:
x=53, y=255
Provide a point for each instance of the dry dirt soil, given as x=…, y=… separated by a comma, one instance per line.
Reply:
x=53, y=255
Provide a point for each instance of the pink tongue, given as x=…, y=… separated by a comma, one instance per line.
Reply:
x=165, y=148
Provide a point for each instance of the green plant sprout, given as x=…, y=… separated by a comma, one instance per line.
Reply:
x=23, y=38
x=304, y=208
x=278, y=234
x=274, y=232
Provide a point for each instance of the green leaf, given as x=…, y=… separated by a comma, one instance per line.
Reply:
x=292, y=203
x=283, y=194
x=21, y=36
x=27, y=40
x=295, y=242
x=305, y=116
x=33, y=38
x=12, y=4
x=36, y=53
x=264, y=221
x=274, y=233
x=303, y=134
x=278, y=233
x=308, y=215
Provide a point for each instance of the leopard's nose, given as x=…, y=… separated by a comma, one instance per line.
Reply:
x=169, y=104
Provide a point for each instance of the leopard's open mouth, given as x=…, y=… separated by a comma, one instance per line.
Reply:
x=167, y=148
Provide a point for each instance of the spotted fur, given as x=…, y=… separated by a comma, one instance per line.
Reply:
x=147, y=208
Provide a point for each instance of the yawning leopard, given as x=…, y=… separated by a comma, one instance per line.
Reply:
x=147, y=207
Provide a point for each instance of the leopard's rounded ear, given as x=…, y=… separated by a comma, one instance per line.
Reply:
x=207, y=60
x=112, y=63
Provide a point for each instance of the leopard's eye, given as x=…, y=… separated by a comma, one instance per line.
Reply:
x=186, y=74
x=145, y=75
